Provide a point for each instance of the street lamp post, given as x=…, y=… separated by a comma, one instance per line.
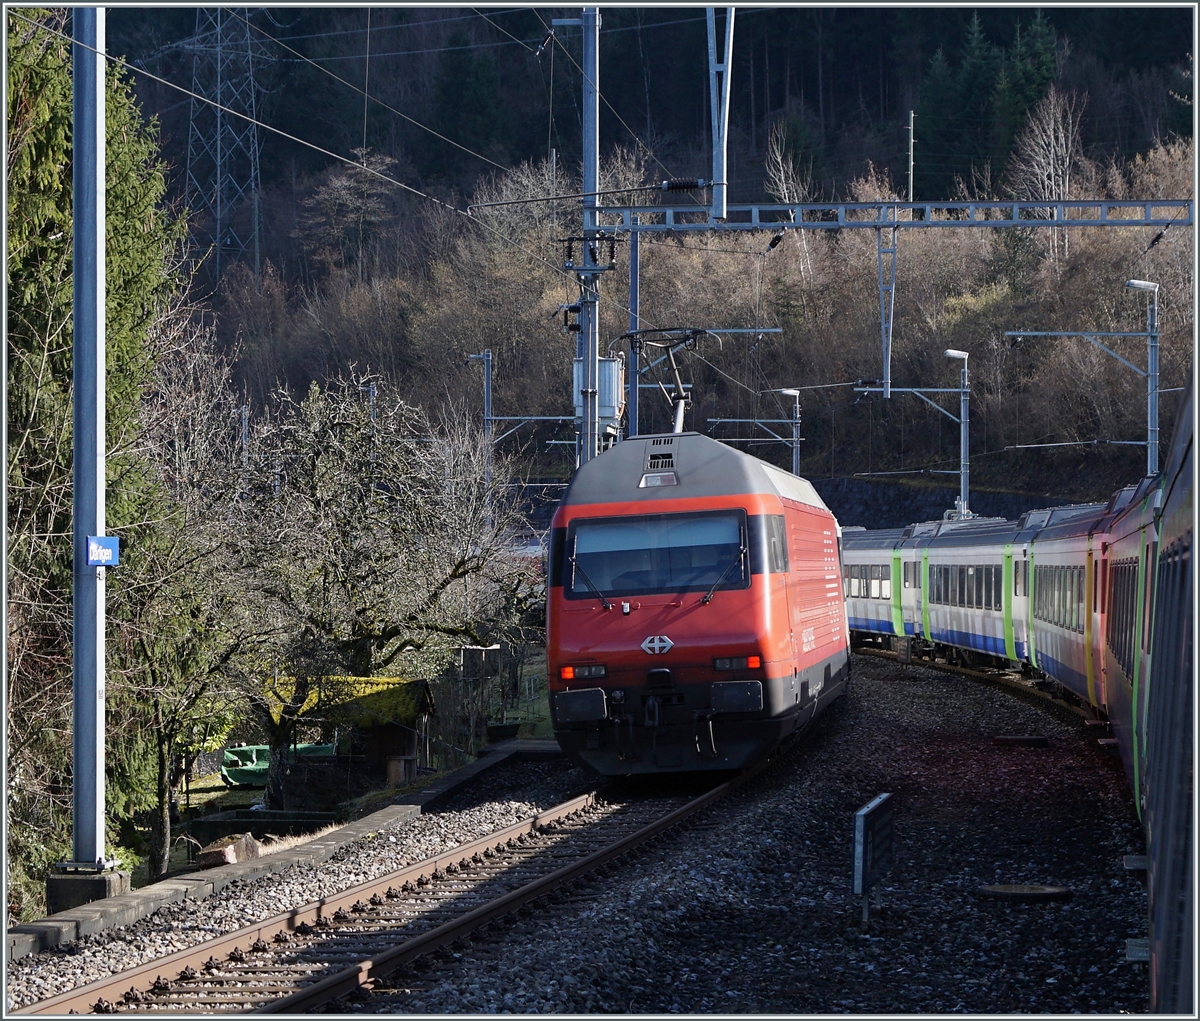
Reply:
x=964, y=433
x=1151, y=373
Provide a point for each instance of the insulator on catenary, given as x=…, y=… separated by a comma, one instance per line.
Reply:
x=683, y=184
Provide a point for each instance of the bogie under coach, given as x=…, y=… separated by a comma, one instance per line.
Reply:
x=694, y=608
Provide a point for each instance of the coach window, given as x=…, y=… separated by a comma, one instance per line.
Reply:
x=1060, y=592
x=907, y=568
x=1068, y=597
x=885, y=581
x=855, y=584
x=873, y=592
x=1072, y=604
x=972, y=578
x=978, y=588
x=1082, y=596
x=961, y=595
x=987, y=588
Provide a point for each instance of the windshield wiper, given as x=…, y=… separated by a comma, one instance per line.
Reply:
x=590, y=584
x=737, y=559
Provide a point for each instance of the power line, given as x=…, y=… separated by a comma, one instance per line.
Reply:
x=396, y=25
x=504, y=30
x=390, y=109
x=633, y=134
x=465, y=214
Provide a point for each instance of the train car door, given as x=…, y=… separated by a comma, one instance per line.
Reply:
x=911, y=595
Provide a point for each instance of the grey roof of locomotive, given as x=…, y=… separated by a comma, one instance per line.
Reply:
x=702, y=467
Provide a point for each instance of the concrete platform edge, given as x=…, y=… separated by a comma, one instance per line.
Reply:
x=65, y=926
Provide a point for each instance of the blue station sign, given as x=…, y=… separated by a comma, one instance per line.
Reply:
x=103, y=550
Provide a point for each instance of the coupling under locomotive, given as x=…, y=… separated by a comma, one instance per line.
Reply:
x=694, y=608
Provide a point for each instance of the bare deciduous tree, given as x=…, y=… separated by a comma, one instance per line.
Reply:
x=370, y=540
x=786, y=181
x=1047, y=152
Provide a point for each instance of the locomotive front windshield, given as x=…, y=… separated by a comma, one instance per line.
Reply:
x=656, y=554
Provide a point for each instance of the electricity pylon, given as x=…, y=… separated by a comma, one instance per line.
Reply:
x=222, y=161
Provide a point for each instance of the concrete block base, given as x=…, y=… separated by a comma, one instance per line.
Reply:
x=66, y=890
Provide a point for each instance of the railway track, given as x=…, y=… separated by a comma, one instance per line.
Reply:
x=304, y=958
x=1007, y=679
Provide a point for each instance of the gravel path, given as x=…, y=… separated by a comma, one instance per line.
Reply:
x=505, y=794
x=758, y=917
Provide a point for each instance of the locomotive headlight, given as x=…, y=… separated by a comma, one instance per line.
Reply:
x=571, y=673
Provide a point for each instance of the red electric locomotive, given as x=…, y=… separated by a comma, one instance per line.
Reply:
x=694, y=608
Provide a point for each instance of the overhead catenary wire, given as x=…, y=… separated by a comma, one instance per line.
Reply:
x=498, y=28
x=310, y=145
x=633, y=134
x=360, y=165
x=351, y=85
x=373, y=171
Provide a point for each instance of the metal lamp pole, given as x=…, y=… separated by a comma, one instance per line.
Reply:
x=964, y=433
x=1151, y=373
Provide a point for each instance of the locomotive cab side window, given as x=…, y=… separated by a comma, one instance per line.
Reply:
x=777, y=543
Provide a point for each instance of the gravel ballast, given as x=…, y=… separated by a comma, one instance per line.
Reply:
x=749, y=910
x=504, y=794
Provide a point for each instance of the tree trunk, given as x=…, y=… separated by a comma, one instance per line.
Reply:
x=160, y=821
x=275, y=795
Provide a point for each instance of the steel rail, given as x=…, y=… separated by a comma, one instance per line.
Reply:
x=274, y=984
x=143, y=978
x=367, y=972
x=998, y=679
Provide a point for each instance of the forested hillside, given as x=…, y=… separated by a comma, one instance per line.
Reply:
x=471, y=106
x=296, y=467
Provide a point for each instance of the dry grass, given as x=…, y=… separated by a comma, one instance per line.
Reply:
x=273, y=844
